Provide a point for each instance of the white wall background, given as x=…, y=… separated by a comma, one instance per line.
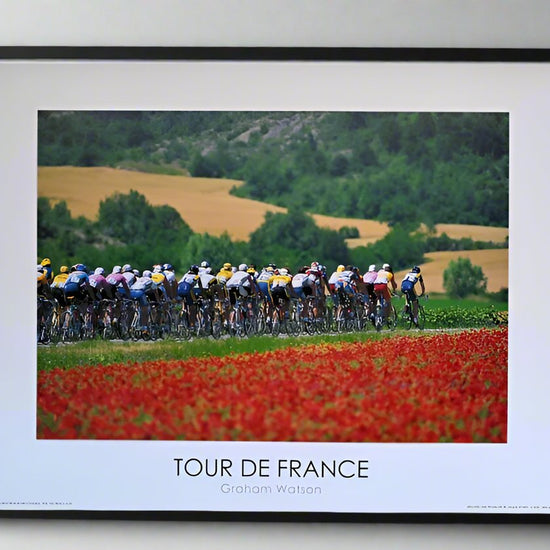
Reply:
x=356, y=23
x=392, y=23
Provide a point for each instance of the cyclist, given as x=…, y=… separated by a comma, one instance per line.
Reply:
x=320, y=286
x=99, y=284
x=128, y=274
x=302, y=283
x=77, y=285
x=139, y=291
x=185, y=291
x=171, y=284
x=47, y=265
x=44, y=305
x=118, y=285
x=265, y=274
x=385, y=277
x=346, y=285
x=241, y=283
x=368, y=278
x=279, y=287
x=407, y=287
x=58, y=283
x=161, y=284
x=224, y=274
x=208, y=283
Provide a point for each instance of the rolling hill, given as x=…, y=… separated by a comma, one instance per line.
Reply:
x=208, y=207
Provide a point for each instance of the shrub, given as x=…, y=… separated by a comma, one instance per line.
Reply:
x=461, y=278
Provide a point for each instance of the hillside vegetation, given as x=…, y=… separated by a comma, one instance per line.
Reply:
x=392, y=167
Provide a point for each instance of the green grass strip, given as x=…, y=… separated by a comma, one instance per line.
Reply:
x=96, y=352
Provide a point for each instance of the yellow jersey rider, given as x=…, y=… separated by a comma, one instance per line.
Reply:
x=279, y=286
x=384, y=278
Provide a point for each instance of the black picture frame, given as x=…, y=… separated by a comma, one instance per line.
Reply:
x=330, y=55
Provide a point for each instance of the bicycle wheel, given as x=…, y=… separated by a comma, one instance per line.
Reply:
x=421, y=320
x=182, y=329
x=276, y=324
x=249, y=325
x=391, y=321
x=405, y=318
x=378, y=318
x=217, y=326
x=122, y=324
x=292, y=327
x=260, y=323
x=54, y=330
x=65, y=325
x=88, y=329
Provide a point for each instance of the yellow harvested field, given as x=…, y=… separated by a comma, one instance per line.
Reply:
x=370, y=230
x=493, y=262
x=475, y=232
x=208, y=207
x=204, y=203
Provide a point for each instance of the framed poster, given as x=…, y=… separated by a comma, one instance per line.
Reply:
x=305, y=163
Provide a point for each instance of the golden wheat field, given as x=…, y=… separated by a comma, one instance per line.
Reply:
x=493, y=262
x=207, y=206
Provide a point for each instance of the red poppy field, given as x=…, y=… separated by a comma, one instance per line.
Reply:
x=433, y=388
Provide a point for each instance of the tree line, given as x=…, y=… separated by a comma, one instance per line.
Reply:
x=128, y=229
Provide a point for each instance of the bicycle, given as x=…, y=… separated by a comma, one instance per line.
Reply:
x=381, y=319
x=71, y=323
x=48, y=320
x=407, y=315
x=239, y=324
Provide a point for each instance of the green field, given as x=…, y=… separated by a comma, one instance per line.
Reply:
x=441, y=313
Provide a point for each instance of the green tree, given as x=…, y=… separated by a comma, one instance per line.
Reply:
x=399, y=247
x=461, y=278
x=215, y=250
x=294, y=239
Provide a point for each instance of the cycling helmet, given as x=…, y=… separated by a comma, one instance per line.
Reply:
x=147, y=273
x=209, y=270
x=387, y=267
x=194, y=269
x=204, y=263
x=126, y=267
x=283, y=271
x=99, y=271
x=269, y=268
x=416, y=269
x=168, y=267
x=117, y=269
x=372, y=267
x=45, y=262
x=40, y=268
x=243, y=267
x=135, y=272
x=81, y=267
x=251, y=270
x=340, y=268
x=315, y=266
x=157, y=268
x=63, y=269
x=272, y=266
x=227, y=265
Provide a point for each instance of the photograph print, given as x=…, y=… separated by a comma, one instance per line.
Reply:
x=272, y=276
